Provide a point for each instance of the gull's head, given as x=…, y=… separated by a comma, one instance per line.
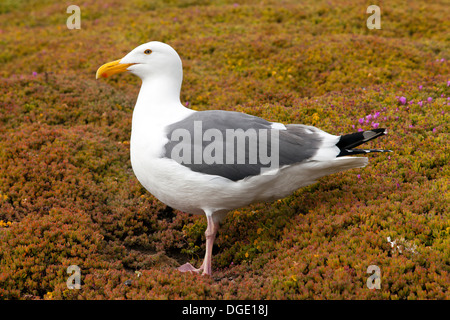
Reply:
x=152, y=59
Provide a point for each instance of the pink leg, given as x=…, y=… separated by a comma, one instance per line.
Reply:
x=210, y=234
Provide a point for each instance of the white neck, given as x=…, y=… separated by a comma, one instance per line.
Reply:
x=159, y=101
x=159, y=91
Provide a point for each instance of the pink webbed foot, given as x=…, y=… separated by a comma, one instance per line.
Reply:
x=210, y=234
x=187, y=267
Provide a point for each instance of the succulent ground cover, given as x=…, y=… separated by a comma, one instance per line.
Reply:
x=68, y=195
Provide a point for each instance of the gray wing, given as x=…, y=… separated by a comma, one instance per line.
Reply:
x=236, y=145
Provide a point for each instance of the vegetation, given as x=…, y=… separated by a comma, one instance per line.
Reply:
x=68, y=195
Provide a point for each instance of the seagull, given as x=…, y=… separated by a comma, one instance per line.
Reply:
x=214, y=161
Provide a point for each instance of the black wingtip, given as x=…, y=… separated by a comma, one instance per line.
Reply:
x=349, y=141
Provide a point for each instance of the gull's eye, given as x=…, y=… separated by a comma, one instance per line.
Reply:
x=148, y=51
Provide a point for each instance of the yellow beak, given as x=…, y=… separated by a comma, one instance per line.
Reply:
x=110, y=68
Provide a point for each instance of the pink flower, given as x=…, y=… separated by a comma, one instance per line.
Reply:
x=375, y=125
x=420, y=103
x=448, y=83
x=430, y=99
x=34, y=73
x=360, y=130
x=402, y=100
x=361, y=120
x=420, y=87
x=358, y=176
x=434, y=130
